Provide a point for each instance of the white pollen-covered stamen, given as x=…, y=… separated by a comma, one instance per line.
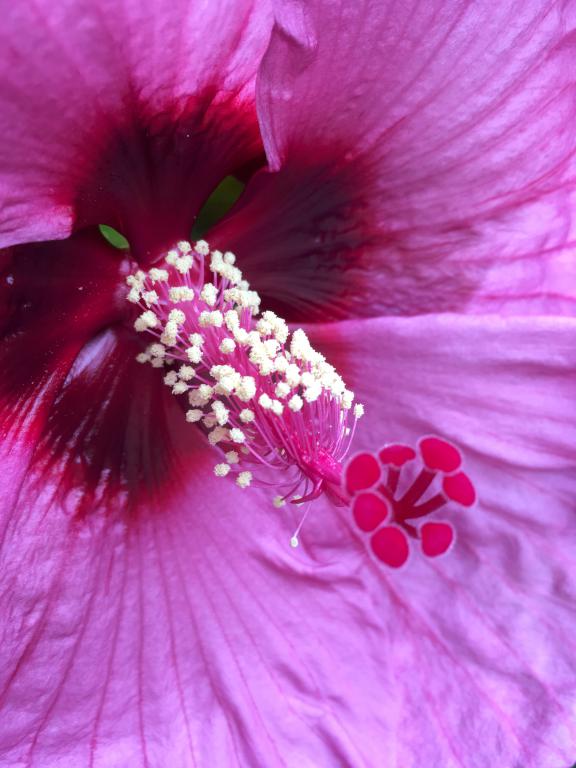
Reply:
x=244, y=479
x=196, y=339
x=150, y=297
x=295, y=403
x=209, y=294
x=237, y=436
x=171, y=378
x=133, y=296
x=184, y=246
x=211, y=319
x=248, y=381
x=146, y=320
x=358, y=411
x=158, y=275
x=282, y=389
x=194, y=354
x=202, y=248
x=247, y=416
x=265, y=401
x=186, y=372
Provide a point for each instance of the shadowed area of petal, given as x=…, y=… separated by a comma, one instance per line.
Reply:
x=198, y=637
x=125, y=113
x=71, y=388
x=439, y=153
x=490, y=625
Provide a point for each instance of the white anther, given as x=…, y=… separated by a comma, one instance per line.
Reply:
x=227, y=346
x=184, y=246
x=281, y=364
x=214, y=319
x=171, y=258
x=158, y=275
x=244, y=479
x=179, y=388
x=265, y=401
x=171, y=378
x=221, y=470
x=202, y=248
x=181, y=293
x=241, y=335
x=186, y=372
x=264, y=327
x=292, y=375
x=176, y=316
x=209, y=294
x=194, y=354
x=282, y=389
x=247, y=416
x=307, y=379
x=217, y=435
x=313, y=392
x=157, y=362
x=196, y=339
x=150, y=297
x=221, y=412
x=194, y=415
x=133, y=296
x=229, y=257
x=143, y=358
x=266, y=367
x=157, y=350
x=358, y=411
x=347, y=399
x=295, y=403
x=183, y=264
x=170, y=334
x=232, y=457
x=146, y=320
x=209, y=420
x=237, y=436
x=277, y=407
x=231, y=319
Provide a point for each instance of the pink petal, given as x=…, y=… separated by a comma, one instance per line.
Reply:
x=423, y=158
x=390, y=545
x=127, y=114
x=437, y=538
x=485, y=635
x=370, y=510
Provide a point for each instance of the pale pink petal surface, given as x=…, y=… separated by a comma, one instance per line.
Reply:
x=422, y=159
x=126, y=114
x=190, y=633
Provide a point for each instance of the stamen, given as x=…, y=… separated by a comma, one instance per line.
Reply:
x=278, y=413
x=374, y=482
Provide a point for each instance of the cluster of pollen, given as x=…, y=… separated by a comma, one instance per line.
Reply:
x=266, y=399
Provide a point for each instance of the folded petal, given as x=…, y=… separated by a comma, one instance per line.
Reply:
x=423, y=159
x=127, y=114
x=191, y=634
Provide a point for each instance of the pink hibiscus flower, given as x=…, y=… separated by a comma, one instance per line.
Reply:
x=409, y=174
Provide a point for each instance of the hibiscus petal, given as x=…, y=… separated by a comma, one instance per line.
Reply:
x=193, y=635
x=127, y=114
x=484, y=636
x=423, y=158
x=70, y=385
